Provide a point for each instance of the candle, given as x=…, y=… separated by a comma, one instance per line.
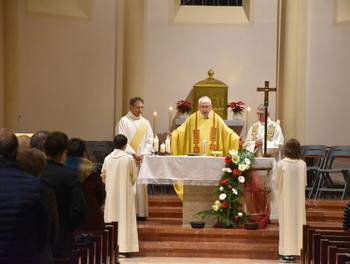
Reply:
x=167, y=145
x=154, y=122
x=247, y=121
x=162, y=148
x=278, y=121
x=170, y=116
x=155, y=144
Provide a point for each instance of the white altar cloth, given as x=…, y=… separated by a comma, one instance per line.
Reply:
x=200, y=170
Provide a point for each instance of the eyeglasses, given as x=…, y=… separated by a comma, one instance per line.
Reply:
x=138, y=107
x=260, y=114
x=204, y=106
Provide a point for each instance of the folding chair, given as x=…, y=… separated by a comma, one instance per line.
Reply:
x=336, y=155
x=317, y=153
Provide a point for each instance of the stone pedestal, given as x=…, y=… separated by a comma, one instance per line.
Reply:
x=197, y=199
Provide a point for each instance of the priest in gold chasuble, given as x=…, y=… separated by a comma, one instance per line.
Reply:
x=203, y=127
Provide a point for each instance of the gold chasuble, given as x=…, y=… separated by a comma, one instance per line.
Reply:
x=188, y=138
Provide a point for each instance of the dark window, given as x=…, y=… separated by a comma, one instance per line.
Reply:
x=212, y=2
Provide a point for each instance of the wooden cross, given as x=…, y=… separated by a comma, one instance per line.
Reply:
x=266, y=91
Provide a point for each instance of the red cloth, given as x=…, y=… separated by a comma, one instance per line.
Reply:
x=256, y=199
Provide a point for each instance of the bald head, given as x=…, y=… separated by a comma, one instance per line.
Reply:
x=8, y=144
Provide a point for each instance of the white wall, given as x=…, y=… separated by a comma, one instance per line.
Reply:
x=67, y=73
x=178, y=56
x=328, y=90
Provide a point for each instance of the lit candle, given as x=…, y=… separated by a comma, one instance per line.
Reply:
x=278, y=121
x=154, y=122
x=162, y=148
x=170, y=116
x=167, y=145
x=247, y=121
x=155, y=144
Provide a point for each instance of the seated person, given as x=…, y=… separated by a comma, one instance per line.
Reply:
x=93, y=187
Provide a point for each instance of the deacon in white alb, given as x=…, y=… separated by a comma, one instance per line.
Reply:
x=139, y=132
x=255, y=138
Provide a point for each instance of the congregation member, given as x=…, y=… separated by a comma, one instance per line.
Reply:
x=24, y=216
x=37, y=139
x=33, y=162
x=119, y=173
x=138, y=131
x=71, y=204
x=254, y=141
x=203, y=127
x=93, y=187
x=290, y=180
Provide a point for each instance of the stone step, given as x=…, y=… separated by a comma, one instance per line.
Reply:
x=208, y=250
x=165, y=212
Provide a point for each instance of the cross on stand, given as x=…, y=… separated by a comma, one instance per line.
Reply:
x=266, y=90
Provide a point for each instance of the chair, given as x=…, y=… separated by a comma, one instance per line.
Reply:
x=315, y=153
x=96, y=151
x=336, y=156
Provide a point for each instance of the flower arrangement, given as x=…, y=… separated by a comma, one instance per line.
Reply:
x=227, y=205
x=183, y=106
x=236, y=107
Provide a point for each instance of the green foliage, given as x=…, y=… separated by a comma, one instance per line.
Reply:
x=228, y=195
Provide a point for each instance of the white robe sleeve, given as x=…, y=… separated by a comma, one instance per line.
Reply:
x=122, y=128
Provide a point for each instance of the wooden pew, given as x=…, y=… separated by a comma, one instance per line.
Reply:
x=308, y=231
x=328, y=241
x=333, y=250
x=113, y=227
x=343, y=258
x=90, y=248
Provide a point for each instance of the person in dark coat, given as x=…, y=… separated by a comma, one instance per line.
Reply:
x=24, y=216
x=71, y=204
x=33, y=161
x=93, y=187
x=346, y=217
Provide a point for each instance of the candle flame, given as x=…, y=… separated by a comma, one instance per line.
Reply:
x=155, y=114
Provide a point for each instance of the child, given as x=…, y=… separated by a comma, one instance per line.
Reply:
x=290, y=180
x=119, y=174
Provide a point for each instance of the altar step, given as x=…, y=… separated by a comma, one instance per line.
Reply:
x=162, y=233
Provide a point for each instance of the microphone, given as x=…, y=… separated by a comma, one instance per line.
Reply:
x=17, y=124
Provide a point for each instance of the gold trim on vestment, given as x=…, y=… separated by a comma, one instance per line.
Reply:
x=196, y=134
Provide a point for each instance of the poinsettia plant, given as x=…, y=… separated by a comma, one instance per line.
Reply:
x=183, y=106
x=237, y=107
x=227, y=205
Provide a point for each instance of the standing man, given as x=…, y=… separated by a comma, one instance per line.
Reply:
x=71, y=204
x=139, y=133
x=255, y=137
x=203, y=127
x=24, y=215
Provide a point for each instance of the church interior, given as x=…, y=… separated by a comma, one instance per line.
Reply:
x=73, y=66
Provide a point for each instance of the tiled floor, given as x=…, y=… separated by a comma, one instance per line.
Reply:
x=164, y=260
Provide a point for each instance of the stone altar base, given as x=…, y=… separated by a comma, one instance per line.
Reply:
x=197, y=199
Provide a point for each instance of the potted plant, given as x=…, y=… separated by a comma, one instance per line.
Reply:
x=237, y=109
x=184, y=108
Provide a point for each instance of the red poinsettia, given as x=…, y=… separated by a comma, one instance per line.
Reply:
x=183, y=106
x=236, y=106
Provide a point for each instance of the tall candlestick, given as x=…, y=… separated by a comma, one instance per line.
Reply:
x=167, y=145
x=247, y=121
x=170, y=116
x=154, y=122
x=155, y=144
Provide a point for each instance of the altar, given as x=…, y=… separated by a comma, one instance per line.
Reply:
x=200, y=176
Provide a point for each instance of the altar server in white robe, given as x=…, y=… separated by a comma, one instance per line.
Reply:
x=255, y=137
x=139, y=132
x=291, y=181
x=119, y=173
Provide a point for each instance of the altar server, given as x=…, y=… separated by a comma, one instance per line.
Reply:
x=119, y=173
x=290, y=180
x=139, y=133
